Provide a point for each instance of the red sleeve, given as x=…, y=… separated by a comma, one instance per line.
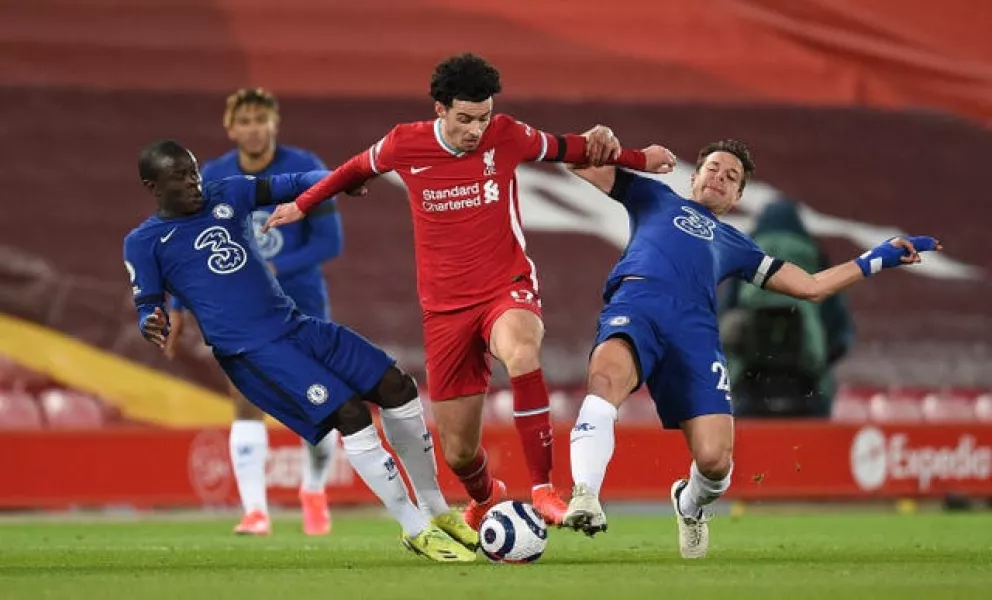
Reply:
x=571, y=148
x=531, y=143
x=376, y=160
x=537, y=145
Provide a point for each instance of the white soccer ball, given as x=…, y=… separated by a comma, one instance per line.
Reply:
x=511, y=532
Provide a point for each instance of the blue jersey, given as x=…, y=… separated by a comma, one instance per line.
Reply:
x=680, y=244
x=211, y=263
x=297, y=250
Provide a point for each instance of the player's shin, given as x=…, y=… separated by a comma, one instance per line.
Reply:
x=249, y=446
x=317, y=463
x=379, y=471
x=407, y=433
x=532, y=418
x=592, y=442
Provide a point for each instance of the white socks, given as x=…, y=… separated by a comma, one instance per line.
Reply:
x=408, y=435
x=380, y=472
x=701, y=491
x=249, y=445
x=592, y=442
x=316, y=463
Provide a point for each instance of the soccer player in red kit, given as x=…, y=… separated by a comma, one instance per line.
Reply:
x=478, y=289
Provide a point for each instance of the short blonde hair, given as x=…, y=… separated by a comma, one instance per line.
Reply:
x=245, y=96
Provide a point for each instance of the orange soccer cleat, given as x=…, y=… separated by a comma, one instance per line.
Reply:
x=316, y=515
x=255, y=522
x=549, y=504
x=475, y=511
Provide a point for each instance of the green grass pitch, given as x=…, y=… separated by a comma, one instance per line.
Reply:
x=844, y=556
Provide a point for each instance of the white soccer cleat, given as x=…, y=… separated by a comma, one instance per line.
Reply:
x=584, y=513
x=694, y=532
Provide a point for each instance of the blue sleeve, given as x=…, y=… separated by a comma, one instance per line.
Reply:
x=315, y=163
x=283, y=188
x=631, y=190
x=623, y=181
x=176, y=304
x=324, y=241
x=146, y=279
x=753, y=265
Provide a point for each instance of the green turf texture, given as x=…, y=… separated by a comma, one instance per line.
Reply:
x=761, y=556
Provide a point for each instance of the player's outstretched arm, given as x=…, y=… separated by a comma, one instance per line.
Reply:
x=794, y=281
x=602, y=178
x=658, y=159
x=349, y=178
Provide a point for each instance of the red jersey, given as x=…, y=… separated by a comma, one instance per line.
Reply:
x=466, y=213
x=469, y=242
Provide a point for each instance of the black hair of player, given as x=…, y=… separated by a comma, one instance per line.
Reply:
x=152, y=157
x=735, y=147
x=464, y=77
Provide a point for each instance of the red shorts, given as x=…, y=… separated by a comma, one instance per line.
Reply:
x=456, y=343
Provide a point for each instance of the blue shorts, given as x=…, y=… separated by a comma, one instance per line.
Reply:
x=302, y=378
x=677, y=350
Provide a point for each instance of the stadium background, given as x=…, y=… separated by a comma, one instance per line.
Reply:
x=876, y=116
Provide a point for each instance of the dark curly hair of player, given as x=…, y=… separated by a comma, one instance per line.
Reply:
x=735, y=147
x=464, y=77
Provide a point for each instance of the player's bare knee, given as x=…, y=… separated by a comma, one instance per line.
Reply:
x=524, y=357
x=352, y=416
x=457, y=453
x=395, y=389
x=714, y=461
x=608, y=386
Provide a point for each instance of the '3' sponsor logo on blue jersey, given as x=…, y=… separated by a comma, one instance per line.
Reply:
x=695, y=224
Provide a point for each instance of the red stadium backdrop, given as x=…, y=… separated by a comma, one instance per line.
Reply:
x=874, y=115
x=781, y=460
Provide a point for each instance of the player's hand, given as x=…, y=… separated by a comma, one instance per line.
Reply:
x=175, y=329
x=284, y=214
x=659, y=159
x=896, y=252
x=912, y=246
x=155, y=328
x=601, y=146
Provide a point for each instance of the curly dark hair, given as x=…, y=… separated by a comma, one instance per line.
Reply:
x=464, y=77
x=735, y=147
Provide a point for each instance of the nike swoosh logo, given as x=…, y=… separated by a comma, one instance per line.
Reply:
x=165, y=238
x=416, y=170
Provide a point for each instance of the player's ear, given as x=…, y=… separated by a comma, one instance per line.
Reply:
x=440, y=109
x=230, y=134
x=149, y=185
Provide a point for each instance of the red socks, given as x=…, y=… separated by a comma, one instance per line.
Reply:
x=532, y=417
x=475, y=477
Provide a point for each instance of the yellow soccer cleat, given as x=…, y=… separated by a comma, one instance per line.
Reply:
x=453, y=523
x=436, y=545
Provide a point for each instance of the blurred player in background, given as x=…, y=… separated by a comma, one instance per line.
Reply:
x=659, y=326
x=478, y=288
x=295, y=255
x=311, y=374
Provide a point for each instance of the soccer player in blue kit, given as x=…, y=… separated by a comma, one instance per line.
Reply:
x=311, y=374
x=659, y=326
x=295, y=254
